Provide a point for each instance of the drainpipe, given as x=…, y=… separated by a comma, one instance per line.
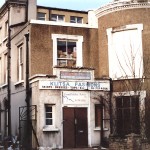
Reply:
x=28, y=94
x=9, y=73
x=102, y=120
x=26, y=13
x=110, y=105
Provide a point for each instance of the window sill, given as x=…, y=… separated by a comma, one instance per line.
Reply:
x=19, y=83
x=4, y=85
x=50, y=129
x=99, y=129
x=5, y=39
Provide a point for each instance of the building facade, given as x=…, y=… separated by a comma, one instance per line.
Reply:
x=123, y=31
x=72, y=78
x=51, y=94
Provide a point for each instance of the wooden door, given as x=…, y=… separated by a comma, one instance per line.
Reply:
x=81, y=127
x=75, y=131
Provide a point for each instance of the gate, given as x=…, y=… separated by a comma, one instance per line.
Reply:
x=27, y=127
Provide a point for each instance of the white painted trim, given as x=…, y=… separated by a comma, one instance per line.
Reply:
x=66, y=24
x=79, y=61
x=118, y=6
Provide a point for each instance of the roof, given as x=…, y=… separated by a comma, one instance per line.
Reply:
x=62, y=9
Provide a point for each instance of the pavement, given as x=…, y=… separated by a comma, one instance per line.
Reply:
x=99, y=148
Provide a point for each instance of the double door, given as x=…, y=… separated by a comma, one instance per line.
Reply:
x=75, y=131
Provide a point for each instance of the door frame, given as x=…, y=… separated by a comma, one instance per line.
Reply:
x=78, y=106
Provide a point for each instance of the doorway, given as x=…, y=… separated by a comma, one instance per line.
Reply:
x=75, y=131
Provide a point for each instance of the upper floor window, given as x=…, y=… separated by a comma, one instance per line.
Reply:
x=20, y=63
x=55, y=17
x=74, y=19
x=5, y=68
x=6, y=28
x=67, y=50
x=41, y=16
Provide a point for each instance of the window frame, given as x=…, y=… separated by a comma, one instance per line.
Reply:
x=115, y=74
x=122, y=116
x=78, y=38
x=57, y=19
x=76, y=19
x=20, y=66
x=67, y=53
x=41, y=18
x=53, y=114
x=6, y=28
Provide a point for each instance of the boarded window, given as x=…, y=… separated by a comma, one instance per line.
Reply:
x=98, y=115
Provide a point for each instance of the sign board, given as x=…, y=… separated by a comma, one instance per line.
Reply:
x=75, y=75
x=75, y=85
x=75, y=98
x=63, y=85
x=103, y=86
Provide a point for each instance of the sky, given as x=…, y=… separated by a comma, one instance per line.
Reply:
x=71, y=4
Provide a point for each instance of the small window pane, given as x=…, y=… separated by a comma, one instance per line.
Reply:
x=49, y=122
x=41, y=16
x=79, y=19
x=48, y=115
x=49, y=109
x=53, y=17
x=60, y=18
x=72, y=19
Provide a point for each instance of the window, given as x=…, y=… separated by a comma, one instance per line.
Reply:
x=127, y=115
x=20, y=63
x=74, y=19
x=67, y=50
x=55, y=17
x=5, y=68
x=41, y=16
x=6, y=28
x=98, y=115
x=49, y=114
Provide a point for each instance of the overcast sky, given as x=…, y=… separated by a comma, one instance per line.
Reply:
x=71, y=4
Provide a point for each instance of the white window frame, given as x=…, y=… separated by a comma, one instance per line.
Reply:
x=76, y=18
x=41, y=18
x=6, y=28
x=110, y=31
x=53, y=114
x=79, y=39
x=20, y=63
x=57, y=18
